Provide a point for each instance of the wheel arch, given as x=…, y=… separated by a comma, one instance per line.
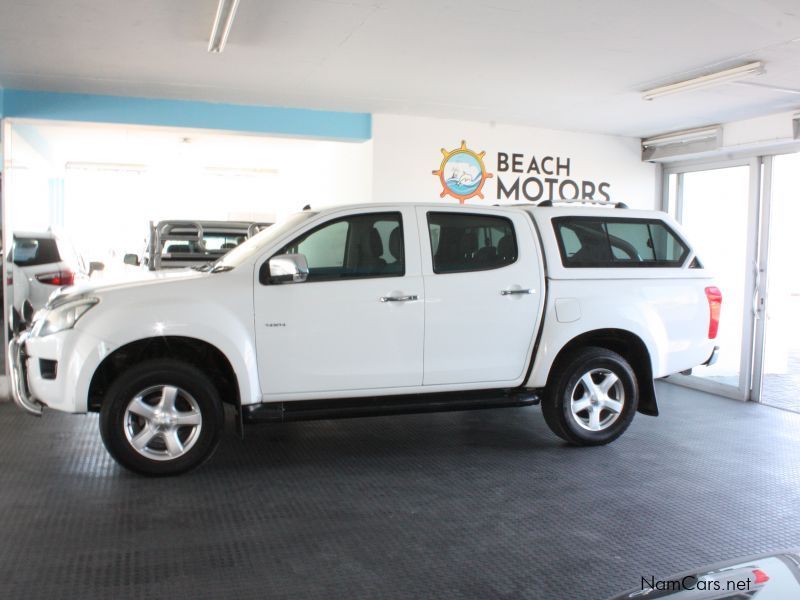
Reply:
x=197, y=352
x=628, y=345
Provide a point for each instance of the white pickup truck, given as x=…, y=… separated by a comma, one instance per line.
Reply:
x=381, y=309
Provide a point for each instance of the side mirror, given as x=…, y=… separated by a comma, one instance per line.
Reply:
x=284, y=268
x=130, y=259
x=96, y=266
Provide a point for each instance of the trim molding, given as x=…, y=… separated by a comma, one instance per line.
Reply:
x=294, y=122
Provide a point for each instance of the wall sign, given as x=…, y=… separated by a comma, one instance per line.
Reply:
x=463, y=174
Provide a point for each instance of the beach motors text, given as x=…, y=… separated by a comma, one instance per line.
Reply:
x=545, y=178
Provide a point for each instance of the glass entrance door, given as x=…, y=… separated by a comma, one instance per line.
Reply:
x=777, y=367
x=718, y=206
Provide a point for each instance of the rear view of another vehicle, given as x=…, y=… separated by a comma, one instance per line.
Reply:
x=180, y=244
x=39, y=264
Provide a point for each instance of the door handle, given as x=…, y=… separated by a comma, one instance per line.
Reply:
x=756, y=289
x=514, y=292
x=398, y=298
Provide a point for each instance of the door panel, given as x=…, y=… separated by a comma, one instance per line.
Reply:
x=337, y=331
x=481, y=308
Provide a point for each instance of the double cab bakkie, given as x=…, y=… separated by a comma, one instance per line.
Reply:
x=381, y=309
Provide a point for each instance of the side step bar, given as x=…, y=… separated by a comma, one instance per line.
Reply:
x=342, y=408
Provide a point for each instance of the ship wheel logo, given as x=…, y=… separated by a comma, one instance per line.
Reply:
x=462, y=173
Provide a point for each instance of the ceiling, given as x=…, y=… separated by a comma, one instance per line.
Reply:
x=572, y=64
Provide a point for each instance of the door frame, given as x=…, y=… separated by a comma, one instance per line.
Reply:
x=754, y=258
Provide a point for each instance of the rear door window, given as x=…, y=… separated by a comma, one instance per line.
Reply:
x=470, y=242
x=597, y=242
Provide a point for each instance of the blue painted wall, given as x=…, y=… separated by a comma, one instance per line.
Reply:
x=295, y=122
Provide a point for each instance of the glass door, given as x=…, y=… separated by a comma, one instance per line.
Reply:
x=718, y=206
x=777, y=366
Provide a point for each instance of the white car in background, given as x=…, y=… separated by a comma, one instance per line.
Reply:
x=39, y=264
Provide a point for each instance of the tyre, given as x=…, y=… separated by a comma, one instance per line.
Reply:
x=15, y=322
x=592, y=398
x=161, y=417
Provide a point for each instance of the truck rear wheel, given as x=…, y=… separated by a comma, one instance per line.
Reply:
x=592, y=398
x=161, y=417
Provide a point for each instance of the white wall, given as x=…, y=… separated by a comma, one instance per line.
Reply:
x=407, y=149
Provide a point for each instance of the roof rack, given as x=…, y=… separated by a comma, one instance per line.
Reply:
x=190, y=232
x=546, y=203
x=164, y=231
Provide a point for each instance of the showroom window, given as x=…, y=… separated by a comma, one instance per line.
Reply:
x=462, y=242
x=608, y=242
x=365, y=245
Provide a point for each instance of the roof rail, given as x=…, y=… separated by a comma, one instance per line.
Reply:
x=546, y=203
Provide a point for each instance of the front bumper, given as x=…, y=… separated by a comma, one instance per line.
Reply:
x=18, y=369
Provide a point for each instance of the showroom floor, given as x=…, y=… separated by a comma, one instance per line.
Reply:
x=783, y=390
x=483, y=504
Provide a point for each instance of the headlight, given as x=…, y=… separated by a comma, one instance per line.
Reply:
x=61, y=318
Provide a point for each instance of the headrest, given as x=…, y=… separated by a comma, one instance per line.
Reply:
x=396, y=243
x=505, y=247
x=375, y=242
x=469, y=242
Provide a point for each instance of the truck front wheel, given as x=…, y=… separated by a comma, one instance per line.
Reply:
x=161, y=417
x=592, y=397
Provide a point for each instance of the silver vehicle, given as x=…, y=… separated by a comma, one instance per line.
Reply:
x=177, y=244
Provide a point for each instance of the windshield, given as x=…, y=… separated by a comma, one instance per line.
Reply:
x=252, y=246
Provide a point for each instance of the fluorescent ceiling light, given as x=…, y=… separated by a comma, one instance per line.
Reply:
x=226, y=11
x=106, y=166
x=241, y=171
x=704, y=81
x=683, y=137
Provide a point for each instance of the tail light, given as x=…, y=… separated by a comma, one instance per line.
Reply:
x=760, y=576
x=9, y=279
x=714, y=297
x=57, y=278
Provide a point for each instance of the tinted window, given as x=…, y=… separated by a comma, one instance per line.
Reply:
x=29, y=252
x=609, y=242
x=357, y=246
x=464, y=242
